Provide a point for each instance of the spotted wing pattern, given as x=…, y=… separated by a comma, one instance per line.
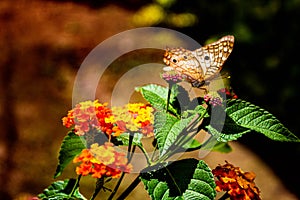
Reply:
x=201, y=65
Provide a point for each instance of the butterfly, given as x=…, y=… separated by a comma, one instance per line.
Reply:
x=202, y=65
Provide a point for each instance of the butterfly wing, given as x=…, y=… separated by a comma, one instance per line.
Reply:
x=183, y=62
x=200, y=65
x=212, y=56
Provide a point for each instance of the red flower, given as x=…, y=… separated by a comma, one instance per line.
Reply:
x=91, y=115
x=229, y=93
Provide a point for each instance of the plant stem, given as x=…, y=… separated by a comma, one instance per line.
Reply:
x=146, y=154
x=76, y=185
x=116, y=187
x=129, y=189
x=99, y=186
x=154, y=152
x=168, y=97
x=129, y=157
x=131, y=135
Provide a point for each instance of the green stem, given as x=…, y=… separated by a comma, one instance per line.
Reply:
x=76, y=185
x=155, y=149
x=129, y=157
x=145, y=153
x=129, y=189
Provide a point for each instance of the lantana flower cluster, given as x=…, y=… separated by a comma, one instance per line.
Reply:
x=89, y=115
x=172, y=77
x=238, y=184
x=102, y=161
x=213, y=98
x=217, y=98
x=135, y=117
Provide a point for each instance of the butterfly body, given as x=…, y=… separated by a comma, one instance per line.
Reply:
x=203, y=64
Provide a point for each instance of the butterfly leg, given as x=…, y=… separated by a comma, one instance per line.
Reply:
x=197, y=84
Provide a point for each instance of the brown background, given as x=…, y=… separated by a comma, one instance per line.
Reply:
x=42, y=45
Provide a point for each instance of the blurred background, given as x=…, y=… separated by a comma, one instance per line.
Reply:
x=44, y=42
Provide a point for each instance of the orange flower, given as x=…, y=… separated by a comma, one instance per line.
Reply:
x=91, y=115
x=238, y=184
x=69, y=120
x=100, y=161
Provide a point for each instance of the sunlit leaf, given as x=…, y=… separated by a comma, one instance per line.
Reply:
x=157, y=95
x=230, y=132
x=71, y=146
x=257, y=119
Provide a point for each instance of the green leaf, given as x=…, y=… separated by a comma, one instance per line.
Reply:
x=157, y=95
x=168, y=128
x=222, y=127
x=62, y=190
x=183, y=179
x=257, y=119
x=193, y=145
x=71, y=146
x=229, y=132
x=163, y=123
x=222, y=147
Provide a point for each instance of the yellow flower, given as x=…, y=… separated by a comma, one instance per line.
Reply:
x=136, y=117
x=103, y=154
